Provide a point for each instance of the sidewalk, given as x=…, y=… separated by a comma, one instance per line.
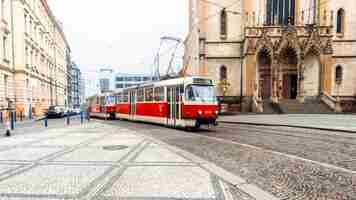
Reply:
x=98, y=161
x=344, y=123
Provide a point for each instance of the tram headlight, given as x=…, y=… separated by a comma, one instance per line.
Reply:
x=200, y=112
x=216, y=112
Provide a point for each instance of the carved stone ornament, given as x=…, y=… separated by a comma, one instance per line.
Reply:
x=289, y=40
x=265, y=42
x=314, y=43
x=251, y=48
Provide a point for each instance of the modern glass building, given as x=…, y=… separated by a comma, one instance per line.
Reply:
x=123, y=80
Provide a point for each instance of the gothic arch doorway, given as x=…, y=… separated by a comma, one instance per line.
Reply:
x=264, y=73
x=289, y=69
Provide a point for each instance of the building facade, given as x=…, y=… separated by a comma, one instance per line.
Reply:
x=275, y=50
x=128, y=80
x=40, y=57
x=76, y=86
x=7, y=69
x=69, y=92
x=106, y=80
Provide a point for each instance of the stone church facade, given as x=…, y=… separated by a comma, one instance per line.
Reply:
x=276, y=50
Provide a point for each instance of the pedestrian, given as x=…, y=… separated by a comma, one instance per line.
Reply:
x=8, y=124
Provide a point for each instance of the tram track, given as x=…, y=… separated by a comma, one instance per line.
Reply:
x=289, y=174
x=329, y=149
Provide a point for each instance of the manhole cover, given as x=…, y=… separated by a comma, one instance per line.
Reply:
x=115, y=147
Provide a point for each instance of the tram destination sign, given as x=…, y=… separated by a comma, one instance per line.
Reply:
x=202, y=81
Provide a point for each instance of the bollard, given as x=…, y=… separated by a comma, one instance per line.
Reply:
x=12, y=120
x=8, y=132
x=81, y=117
x=88, y=116
x=68, y=119
x=15, y=116
x=1, y=118
x=46, y=121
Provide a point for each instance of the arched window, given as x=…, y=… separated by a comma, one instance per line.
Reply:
x=223, y=73
x=340, y=21
x=223, y=23
x=338, y=74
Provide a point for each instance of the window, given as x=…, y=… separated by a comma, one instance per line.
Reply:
x=280, y=12
x=6, y=77
x=199, y=93
x=159, y=94
x=4, y=47
x=338, y=74
x=223, y=73
x=26, y=25
x=149, y=94
x=118, y=98
x=140, y=95
x=119, y=79
x=340, y=21
x=119, y=86
x=26, y=57
x=125, y=98
x=130, y=79
x=223, y=23
x=2, y=9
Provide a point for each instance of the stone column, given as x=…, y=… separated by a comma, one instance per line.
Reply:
x=301, y=70
x=275, y=80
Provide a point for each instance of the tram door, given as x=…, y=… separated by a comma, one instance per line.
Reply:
x=132, y=94
x=173, y=99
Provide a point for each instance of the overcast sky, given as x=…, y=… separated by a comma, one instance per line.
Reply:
x=122, y=34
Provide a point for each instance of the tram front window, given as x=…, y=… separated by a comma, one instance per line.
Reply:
x=199, y=93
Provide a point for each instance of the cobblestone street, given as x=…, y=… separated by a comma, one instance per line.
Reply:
x=291, y=163
x=101, y=161
x=125, y=160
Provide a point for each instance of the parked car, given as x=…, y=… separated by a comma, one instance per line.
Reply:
x=77, y=111
x=56, y=111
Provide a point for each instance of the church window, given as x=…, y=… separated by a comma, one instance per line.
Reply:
x=280, y=12
x=338, y=74
x=340, y=21
x=223, y=73
x=223, y=23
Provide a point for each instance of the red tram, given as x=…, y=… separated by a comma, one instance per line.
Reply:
x=101, y=107
x=181, y=102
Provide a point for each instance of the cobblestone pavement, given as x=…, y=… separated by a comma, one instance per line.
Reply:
x=323, y=121
x=291, y=163
x=101, y=161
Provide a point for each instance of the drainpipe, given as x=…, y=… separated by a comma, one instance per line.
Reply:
x=242, y=58
x=13, y=48
x=241, y=73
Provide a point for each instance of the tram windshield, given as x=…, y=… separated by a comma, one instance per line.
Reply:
x=200, y=93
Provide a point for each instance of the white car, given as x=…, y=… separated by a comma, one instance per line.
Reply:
x=77, y=111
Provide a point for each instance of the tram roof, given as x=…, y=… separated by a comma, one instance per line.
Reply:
x=168, y=82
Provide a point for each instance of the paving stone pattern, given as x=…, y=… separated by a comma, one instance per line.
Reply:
x=72, y=163
x=291, y=163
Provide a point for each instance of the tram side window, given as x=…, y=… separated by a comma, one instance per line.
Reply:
x=140, y=95
x=102, y=101
x=159, y=94
x=125, y=97
x=119, y=98
x=149, y=94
